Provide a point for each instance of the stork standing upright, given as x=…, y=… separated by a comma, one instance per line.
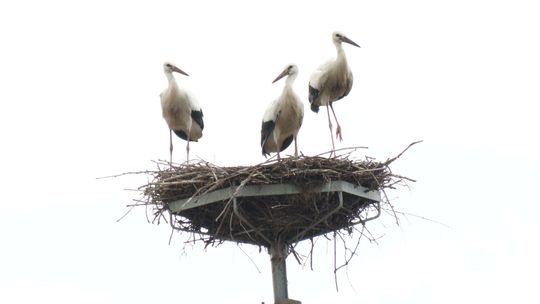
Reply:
x=283, y=117
x=181, y=111
x=330, y=82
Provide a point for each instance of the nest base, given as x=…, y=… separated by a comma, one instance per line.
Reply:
x=264, y=215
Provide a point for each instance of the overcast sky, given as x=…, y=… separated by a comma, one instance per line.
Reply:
x=79, y=99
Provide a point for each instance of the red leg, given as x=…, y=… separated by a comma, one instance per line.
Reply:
x=331, y=135
x=338, y=128
x=170, y=147
x=295, y=147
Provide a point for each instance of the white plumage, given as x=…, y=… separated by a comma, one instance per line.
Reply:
x=283, y=117
x=331, y=81
x=180, y=110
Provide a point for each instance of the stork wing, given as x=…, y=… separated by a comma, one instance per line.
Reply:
x=348, y=86
x=268, y=123
x=316, y=85
x=301, y=118
x=196, y=110
x=266, y=130
x=319, y=76
x=313, y=94
x=197, y=116
x=300, y=107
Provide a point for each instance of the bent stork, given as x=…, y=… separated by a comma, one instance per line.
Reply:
x=331, y=81
x=181, y=111
x=283, y=118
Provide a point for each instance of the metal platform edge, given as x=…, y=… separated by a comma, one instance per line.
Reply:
x=268, y=190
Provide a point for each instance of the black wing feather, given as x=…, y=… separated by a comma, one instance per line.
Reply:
x=313, y=94
x=266, y=130
x=286, y=143
x=197, y=116
x=181, y=134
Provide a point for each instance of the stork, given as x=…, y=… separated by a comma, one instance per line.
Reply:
x=283, y=117
x=330, y=82
x=180, y=110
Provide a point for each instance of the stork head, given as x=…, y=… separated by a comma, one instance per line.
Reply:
x=169, y=68
x=338, y=38
x=290, y=70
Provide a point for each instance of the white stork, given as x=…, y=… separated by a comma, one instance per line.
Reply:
x=331, y=81
x=181, y=111
x=283, y=118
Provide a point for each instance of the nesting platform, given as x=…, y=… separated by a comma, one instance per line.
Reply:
x=275, y=204
x=283, y=201
x=266, y=214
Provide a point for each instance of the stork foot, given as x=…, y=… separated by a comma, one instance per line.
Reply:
x=338, y=133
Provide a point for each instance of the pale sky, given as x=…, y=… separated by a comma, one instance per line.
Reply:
x=79, y=99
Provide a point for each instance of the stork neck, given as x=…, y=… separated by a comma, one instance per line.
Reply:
x=290, y=80
x=169, y=76
x=340, y=52
x=288, y=88
x=172, y=81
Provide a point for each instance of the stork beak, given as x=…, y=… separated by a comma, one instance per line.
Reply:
x=175, y=69
x=283, y=74
x=349, y=41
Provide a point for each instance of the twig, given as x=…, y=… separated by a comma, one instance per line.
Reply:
x=335, y=262
x=424, y=218
x=250, y=259
x=391, y=160
x=129, y=210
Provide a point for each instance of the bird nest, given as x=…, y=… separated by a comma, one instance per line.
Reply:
x=282, y=201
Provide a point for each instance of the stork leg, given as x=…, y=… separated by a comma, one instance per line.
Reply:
x=276, y=136
x=187, y=145
x=338, y=128
x=331, y=135
x=187, y=151
x=295, y=147
x=170, y=147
